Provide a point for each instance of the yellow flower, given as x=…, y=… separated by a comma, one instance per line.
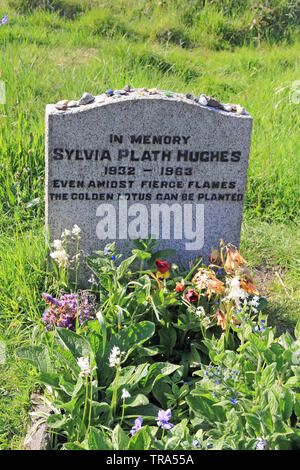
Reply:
x=165, y=275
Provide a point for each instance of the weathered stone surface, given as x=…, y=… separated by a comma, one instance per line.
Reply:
x=143, y=163
x=37, y=437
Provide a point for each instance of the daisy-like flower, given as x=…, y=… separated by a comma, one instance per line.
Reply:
x=114, y=357
x=163, y=418
x=125, y=394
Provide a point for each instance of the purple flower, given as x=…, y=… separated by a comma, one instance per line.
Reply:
x=137, y=426
x=163, y=419
x=195, y=443
x=261, y=445
x=233, y=400
x=65, y=311
x=4, y=19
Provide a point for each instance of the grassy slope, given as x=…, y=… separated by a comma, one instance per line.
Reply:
x=171, y=45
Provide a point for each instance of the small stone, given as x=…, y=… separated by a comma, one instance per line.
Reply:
x=62, y=105
x=99, y=99
x=117, y=95
x=168, y=94
x=196, y=100
x=227, y=107
x=72, y=104
x=123, y=92
x=86, y=99
x=203, y=100
x=144, y=89
x=240, y=109
x=152, y=91
x=213, y=102
x=189, y=96
x=126, y=88
x=109, y=92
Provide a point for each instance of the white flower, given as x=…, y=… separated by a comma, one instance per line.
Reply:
x=234, y=292
x=92, y=279
x=57, y=244
x=61, y=257
x=255, y=301
x=84, y=364
x=200, y=312
x=76, y=230
x=66, y=233
x=125, y=394
x=114, y=357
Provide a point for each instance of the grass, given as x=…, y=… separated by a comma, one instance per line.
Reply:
x=56, y=49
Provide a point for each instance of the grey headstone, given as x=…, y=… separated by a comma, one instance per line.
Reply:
x=150, y=149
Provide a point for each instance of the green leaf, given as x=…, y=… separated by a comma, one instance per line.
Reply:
x=57, y=421
x=202, y=406
x=76, y=344
x=253, y=422
x=157, y=371
x=123, y=267
x=38, y=356
x=168, y=338
x=98, y=441
x=268, y=375
x=141, y=440
x=161, y=254
x=137, y=400
x=119, y=439
x=129, y=338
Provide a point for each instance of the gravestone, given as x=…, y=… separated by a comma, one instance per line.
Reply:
x=139, y=162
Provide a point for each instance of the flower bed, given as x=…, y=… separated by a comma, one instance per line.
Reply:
x=169, y=360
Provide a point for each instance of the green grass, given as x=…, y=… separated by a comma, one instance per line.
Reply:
x=56, y=49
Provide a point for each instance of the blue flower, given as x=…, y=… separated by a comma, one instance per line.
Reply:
x=163, y=418
x=113, y=257
x=233, y=400
x=195, y=443
x=137, y=426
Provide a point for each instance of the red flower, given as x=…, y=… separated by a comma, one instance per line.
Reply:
x=179, y=287
x=191, y=296
x=162, y=266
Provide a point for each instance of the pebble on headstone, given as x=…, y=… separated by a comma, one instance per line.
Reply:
x=62, y=105
x=122, y=169
x=86, y=98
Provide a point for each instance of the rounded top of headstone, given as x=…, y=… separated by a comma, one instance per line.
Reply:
x=110, y=97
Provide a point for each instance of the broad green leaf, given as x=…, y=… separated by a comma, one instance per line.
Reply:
x=141, y=440
x=128, y=338
x=156, y=371
x=78, y=345
x=38, y=356
x=119, y=439
x=137, y=400
x=268, y=376
x=124, y=265
x=98, y=440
